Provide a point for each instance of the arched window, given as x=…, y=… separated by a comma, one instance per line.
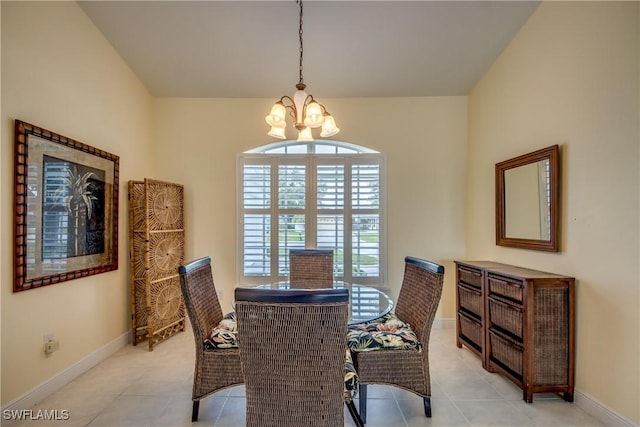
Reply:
x=318, y=195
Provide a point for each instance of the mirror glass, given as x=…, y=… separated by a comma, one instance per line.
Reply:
x=526, y=196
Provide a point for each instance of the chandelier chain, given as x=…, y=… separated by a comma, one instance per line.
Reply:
x=301, y=45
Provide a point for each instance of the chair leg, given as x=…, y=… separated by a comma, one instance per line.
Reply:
x=363, y=402
x=354, y=414
x=194, y=413
x=427, y=407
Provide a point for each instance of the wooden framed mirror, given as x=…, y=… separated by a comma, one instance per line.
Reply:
x=527, y=198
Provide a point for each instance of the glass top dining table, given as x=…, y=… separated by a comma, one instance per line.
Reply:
x=365, y=302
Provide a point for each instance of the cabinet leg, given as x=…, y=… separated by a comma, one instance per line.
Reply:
x=568, y=396
x=527, y=396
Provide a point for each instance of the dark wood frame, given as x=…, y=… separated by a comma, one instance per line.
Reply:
x=552, y=154
x=49, y=143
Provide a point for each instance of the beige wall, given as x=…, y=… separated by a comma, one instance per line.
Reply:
x=58, y=72
x=424, y=140
x=570, y=77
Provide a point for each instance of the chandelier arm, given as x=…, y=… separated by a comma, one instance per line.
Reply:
x=288, y=99
x=289, y=105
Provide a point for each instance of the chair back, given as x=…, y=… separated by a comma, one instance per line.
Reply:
x=420, y=295
x=311, y=268
x=292, y=348
x=200, y=297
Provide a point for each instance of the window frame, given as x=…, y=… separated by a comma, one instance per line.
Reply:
x=311, y=160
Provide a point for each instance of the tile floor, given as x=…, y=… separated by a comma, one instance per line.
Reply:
x=138, y=388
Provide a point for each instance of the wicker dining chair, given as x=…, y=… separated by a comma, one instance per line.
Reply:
x=292, y=347
x=217, y=364
x=394, y=350
x=311, y=268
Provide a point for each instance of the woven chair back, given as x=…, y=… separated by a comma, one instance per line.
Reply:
x=420, y=295
x=311, y=268
x=292, y=348
x=200, y=297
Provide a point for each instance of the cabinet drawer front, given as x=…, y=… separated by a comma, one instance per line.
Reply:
x=470, y=276
x=506, y=353
x=505, y=287
x=506, y=316
x=470, y=299
x=470, y=329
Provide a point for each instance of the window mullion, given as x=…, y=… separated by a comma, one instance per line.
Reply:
x=275, y=235
x=311, y=229
x=348, y=222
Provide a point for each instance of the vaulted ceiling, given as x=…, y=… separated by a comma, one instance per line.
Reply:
x=250, y=49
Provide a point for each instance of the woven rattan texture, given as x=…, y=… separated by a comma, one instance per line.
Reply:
x=528, y=326
x=215, y=369
x=551, y=336
x=164, y=206
x=506, y=353
x=311, y=269
x=156, y=238
x=293, y=361
x=166, y=302
x=417, y=304
x=136, y=205
x=503, y=286
x=136, y=259
x=470, y=299
x=471, y=329
x=165, y=254
x=507, y=317
x=139, y=315
x=470, y=277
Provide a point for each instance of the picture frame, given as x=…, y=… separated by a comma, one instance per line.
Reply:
x=66, y=208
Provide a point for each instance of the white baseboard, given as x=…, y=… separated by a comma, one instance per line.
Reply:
x=598, y=410
x=29, y=399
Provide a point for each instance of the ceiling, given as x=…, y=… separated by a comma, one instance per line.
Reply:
x=250, y=49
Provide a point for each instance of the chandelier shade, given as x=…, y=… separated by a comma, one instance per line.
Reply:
x=305, y=111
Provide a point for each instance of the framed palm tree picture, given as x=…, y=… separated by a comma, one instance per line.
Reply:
x=66, y=208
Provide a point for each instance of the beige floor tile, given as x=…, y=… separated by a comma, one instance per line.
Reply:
x=138, y=388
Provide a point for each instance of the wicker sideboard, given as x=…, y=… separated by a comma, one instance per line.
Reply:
x=520, y=322
x=156, y=249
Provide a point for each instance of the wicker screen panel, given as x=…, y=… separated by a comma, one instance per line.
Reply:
x=139, y=315
x=137, y=251
x=166, y=303
x=164, y=205
x=136, y=261
x=136, y=205
x=165, y=254
x=156, y=221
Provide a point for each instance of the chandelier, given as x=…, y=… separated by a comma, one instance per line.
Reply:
x=306, y=112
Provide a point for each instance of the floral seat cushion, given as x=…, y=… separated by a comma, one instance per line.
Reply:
x=387, y=332
x=224, y=334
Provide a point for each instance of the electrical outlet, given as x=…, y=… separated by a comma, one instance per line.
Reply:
x=51, y=346
x=50, y=343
